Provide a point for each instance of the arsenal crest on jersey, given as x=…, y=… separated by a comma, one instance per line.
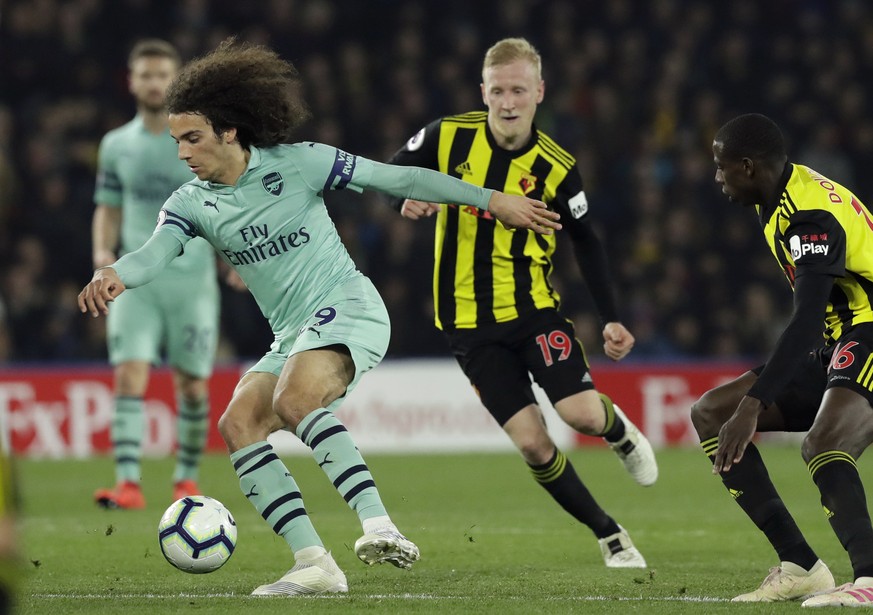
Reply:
x=273, y=183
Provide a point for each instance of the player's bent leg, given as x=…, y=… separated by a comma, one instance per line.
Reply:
x=310, y=382
x=788, y=581
x=842, y=430
x=269, y=486
x=750, y=486
x=310, y=575
x=595, y=414
x=556, y=474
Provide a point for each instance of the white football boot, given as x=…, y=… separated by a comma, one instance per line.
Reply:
x=635, y=452
x=857, y=594
x=788, y=581
x=619, y=551
x=316, y=576
x=387, y=545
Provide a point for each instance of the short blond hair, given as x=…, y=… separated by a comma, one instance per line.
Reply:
x=509, y=50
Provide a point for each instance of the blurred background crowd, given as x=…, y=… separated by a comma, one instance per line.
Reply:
x=635, y=90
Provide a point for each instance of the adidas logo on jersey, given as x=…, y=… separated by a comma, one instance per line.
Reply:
x=464, y=168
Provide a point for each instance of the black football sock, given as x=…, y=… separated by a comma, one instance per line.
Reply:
x=614, y=430
x=749, y=484
x=845, y=504
x=558, y=477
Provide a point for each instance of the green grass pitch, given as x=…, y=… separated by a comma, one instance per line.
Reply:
x=491, y=540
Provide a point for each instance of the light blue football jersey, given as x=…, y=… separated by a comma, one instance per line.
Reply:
x=137, y=171
x=273, y=228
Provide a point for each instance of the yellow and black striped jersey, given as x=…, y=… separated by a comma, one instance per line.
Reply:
x=820, y=226
x=484, y=272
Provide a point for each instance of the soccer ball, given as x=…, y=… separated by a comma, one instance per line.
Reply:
x=197, y=534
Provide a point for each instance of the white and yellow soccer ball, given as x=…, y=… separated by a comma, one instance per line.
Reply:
x=197, y=534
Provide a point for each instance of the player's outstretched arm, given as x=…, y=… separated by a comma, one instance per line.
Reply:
x=427, y=185
x=103, y=288
x=521, y=212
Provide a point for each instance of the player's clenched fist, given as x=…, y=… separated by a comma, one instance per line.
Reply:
x=416, y=210
x=104, y=287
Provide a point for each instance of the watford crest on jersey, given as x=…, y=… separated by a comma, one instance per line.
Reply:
x=527, y=183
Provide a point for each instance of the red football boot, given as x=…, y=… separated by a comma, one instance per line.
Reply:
x=125, y=495
x=185, y=488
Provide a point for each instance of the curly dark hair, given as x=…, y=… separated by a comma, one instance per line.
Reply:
x=244, y=86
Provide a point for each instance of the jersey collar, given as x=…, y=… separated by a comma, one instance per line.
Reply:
x=531, y=143
x=767, y=209
x=254, y=163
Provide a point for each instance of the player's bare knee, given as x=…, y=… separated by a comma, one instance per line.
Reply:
x=230, y=425
x=240, y=426
x=824, y=438
x=585, y=415
x=536, y=449
x=227, y=427
x=706, y=415
x=587, y=427
x=587, y=419
x=819, y=441
x=292, y=403
x=815, y=443
x=291, y=409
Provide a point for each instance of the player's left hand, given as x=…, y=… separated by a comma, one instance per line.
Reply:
x=103, y=288
x=617, y=341
x=736, y=433
x=521, y=212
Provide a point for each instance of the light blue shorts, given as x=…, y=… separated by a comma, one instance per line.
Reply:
x=352, y=315
x=176, y=315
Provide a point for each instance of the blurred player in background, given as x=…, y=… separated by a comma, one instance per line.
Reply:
x=492, y=293
x=10, y=570
x=138, y=169
x=822, y=238
x=259, y=203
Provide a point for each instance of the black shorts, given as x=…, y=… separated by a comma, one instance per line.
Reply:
x=847, y=364
x=499, y=360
